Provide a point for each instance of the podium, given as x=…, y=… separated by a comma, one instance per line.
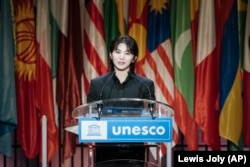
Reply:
x=131, y=125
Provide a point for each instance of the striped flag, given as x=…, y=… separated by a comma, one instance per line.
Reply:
x=44, y=89
x=158, y=60
x=137, y=28
x=8, y=120
x=95, y=53
x=70, y=68
x=29, y=136
x=230, y=121
x=94, y=47
x=207, y=71
x=184, y=72
x=246, y=81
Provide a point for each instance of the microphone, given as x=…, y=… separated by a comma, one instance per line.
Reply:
x=99, y=110
x=149, y=92
x=105, y=84
x=100, y=105
x=150, y=105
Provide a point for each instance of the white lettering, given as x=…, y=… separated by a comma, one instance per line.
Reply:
x=160, y=130
x=126, y=130
x=152, y=130
x=136, y=130
x=197, y=158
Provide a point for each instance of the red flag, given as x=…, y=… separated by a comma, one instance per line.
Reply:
x=45, y=104
x=28, y=132
x=70, y=69
x=207, y=70
x=194, y=10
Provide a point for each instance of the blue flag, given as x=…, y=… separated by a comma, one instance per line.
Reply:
x=230, y=123
x=8, y=120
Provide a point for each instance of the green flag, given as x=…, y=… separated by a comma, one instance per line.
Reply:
x=183, y=71
x=110, y=21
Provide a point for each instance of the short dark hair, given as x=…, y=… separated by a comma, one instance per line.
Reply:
x=131, y=44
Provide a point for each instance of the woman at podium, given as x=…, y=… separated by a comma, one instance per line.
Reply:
x=121, y=82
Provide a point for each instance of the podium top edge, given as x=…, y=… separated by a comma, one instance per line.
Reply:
x=131, y=107
x=125, y=99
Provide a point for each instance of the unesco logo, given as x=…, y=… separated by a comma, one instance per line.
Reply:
x=94, y=130
x=125, y=130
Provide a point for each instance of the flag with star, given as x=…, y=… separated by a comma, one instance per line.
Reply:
x=158, y=60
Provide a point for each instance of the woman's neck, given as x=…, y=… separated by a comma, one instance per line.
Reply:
x=121, y=75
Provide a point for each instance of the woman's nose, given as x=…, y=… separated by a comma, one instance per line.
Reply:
x=122, y=55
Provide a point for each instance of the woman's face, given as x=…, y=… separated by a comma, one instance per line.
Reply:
x=122, y=58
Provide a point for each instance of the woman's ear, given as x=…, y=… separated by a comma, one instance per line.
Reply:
x=110, y=55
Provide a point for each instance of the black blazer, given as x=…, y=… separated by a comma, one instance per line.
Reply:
x=108, y=86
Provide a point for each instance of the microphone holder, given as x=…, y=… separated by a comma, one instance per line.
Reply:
x=99, y=110
x=151, y=107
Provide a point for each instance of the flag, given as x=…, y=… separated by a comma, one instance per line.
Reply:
x=137, y=28
x=242, y=10
x=184, y=72
x=44, y=87
x=158, y=59
x=58, y=22
x=70, y=68
x=111, y=21
x=207, y=71
x=59, y=25
x=28, y=131
x=194, y=10
x=122, y=10
x=230, y=101
x=95, y=52
x=8, y=120
x=94, y=47
x=246, y=81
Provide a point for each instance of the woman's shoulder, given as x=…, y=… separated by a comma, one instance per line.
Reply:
x=103, y=77
x=142, y=78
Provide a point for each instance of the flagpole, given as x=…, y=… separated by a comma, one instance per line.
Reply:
x=169, y=154
x=44, y=141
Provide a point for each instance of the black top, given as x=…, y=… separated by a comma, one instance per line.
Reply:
x=108, y=87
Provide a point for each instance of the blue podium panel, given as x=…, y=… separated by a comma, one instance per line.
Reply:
x=125, y=130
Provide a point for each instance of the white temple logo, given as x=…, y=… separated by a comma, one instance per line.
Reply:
x=94, y=130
